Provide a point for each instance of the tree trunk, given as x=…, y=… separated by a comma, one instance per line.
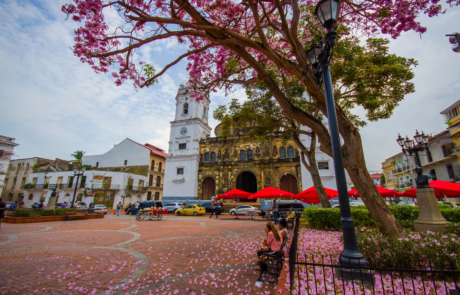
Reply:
x=320, y=188
x=355, y=164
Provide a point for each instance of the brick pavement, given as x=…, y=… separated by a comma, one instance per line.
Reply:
x=119, y=255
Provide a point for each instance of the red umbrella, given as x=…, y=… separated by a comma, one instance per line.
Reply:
x=441, y=189
x=271, y=192
x=386, y=193
x=233, y=194
x=310, y=196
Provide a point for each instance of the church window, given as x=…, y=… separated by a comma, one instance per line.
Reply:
x=225, y=181
x=243, y=155
x=267, y=180
x=182, y=146
x=180, y=171
x=249, y=154
x=205, y=112
x=323, y=165
x=275, y=150
x=213, y=157
x=219, y=153
x=282, y=153
x=266, y=149
x=206, y=157
x=185, y=108
x=290, y=152
x=257, y=150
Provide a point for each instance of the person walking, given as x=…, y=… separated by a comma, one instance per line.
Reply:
x=275, y=211
x=91, y=204
x=214, y=208
x=136, y=207
x=2, y=211
x=15, y=206
x=119, y=206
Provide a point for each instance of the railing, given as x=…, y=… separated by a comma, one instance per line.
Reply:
x=399, y=169
x=105, y=186
x=156, y=170
x=405, y=168
x=455, y=150
x=322, y=274
x=157, y=185
x=137, y=188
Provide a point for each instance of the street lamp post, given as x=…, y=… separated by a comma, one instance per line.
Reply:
x=351, y=259
x=454, y=39
x=77, y=173
x=408, y=146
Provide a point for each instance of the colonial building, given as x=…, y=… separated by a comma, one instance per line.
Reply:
x=7, y=146
x=234, y=162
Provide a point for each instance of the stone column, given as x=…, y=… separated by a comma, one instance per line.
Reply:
x=430, y=217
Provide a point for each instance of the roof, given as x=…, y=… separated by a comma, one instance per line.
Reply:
x=438, y=135
x=376, y=176
x=393, y=156
x=153, y=149
x=456, y=104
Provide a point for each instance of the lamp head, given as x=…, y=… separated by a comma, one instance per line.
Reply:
x=425, y=138
x=75, y=170
x=408, y=143
x=418, y=137
x=400, y=140
x=327, y=12
x=312, y=55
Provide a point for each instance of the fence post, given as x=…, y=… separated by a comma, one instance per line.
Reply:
x=293, y=252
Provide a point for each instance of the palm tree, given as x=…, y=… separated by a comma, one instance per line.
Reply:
x=78, y=155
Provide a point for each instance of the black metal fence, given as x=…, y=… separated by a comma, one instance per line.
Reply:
x=321, y=274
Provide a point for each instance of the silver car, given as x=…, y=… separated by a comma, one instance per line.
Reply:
x=172, y=207
x=242, y=210
x=100, y=209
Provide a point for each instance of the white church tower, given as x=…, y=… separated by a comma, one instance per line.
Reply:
x=188, y=127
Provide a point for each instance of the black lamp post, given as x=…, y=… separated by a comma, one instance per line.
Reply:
x=455, y=40
x=319, y=57
x=408, y=146
x=77, y=173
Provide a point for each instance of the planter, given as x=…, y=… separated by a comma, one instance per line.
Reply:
x=9, y=219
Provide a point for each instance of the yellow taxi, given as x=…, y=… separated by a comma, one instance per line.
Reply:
x=192, y=209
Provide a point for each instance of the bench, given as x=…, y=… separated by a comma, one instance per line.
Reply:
x=272, y=261
x=68, y=213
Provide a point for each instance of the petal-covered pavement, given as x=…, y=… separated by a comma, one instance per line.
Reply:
x=119, y=255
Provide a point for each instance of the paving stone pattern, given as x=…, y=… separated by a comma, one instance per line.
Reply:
x=119, y=255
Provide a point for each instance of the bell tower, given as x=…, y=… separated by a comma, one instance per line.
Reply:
x=189, y=126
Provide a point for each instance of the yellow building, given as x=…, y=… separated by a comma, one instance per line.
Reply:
x=389, y=169
x=452, y=117
x=156, y=172
x=236, y=162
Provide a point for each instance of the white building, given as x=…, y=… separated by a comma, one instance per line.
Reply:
x=7, y=145
x=97, y=187
x=325, y=165
x=189, y=126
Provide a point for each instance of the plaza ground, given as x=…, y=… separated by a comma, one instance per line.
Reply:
x=119, y=255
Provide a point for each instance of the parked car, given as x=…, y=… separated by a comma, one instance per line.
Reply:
x=207, y=206
x=242, y=210
x=9, y=205
x=35, y=205
x=283, y=207
x=99, y=209
x=192, y=209
x=172, y=207
x=58, y=205
x=81, y=206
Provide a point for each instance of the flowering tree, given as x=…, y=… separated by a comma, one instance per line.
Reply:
x=237, y=43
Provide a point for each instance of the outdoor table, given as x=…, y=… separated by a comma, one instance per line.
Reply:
x=250, y=214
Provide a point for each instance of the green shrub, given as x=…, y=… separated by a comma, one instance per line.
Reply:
x=329, y=219
x=29, y=212
x=28, y=185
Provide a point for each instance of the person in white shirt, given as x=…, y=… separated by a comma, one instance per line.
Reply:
x=136, y=208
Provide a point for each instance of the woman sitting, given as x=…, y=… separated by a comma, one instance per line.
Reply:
x=272, y=243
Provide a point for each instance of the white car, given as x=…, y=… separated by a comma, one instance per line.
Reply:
x=242, y=210
x=81, y=206
x=100, y=209
x=172, y=207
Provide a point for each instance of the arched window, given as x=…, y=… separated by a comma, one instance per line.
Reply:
x=160, y=166
x=185, y=108
x=275, y=150
x=282, y=153
x=219, y=153
x=249, y=154
x=225, y=181
x=158, y=181
x=243, y=155
x=31, y=197
x=152, y=165
x=257, y=150
x=213, y=157
x=290, y=152
x=266, y=149
x=206, y=157
x=151, y=180
x=267, y=180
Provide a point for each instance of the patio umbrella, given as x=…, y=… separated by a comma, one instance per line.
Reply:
x=271, y=192
x=310, y=196
x=386, y=193
x=233, y=194
x=441, y=189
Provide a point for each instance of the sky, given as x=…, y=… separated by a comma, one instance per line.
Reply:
x=54, y=105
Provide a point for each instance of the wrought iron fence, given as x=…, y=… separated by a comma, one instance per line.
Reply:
x=105, y=186
x=321, y=274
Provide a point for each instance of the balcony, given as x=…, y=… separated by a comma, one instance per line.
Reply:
x=162, y=171
x=105, y=187
x=137, y=188
x=399, y=170
x=455, y=151
x=156, y=185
